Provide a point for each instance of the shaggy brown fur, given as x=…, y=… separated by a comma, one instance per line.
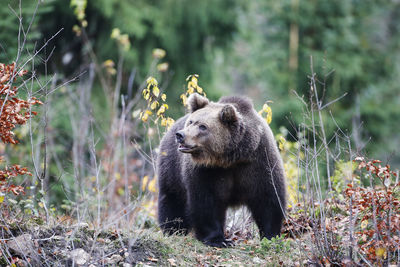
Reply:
x=219, y=155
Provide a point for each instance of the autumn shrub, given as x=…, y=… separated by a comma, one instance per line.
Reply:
x=14, y=111
x=376, y=209
x=357, y=223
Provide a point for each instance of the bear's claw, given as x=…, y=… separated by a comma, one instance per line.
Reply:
x=220, y=244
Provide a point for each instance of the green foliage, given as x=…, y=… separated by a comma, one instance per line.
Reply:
x=277, y=244
x=11, y=38
x=79, y=8
x=355, y=49
x=188, y=31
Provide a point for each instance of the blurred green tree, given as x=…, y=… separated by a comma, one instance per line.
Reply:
x=188, y=31
x=355, y=49
x=15, y=39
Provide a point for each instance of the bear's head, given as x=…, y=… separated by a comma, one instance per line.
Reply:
x=211, y=132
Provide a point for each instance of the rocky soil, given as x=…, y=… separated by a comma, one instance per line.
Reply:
x=77, y=245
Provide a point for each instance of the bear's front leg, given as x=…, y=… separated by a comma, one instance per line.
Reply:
x=207, y=212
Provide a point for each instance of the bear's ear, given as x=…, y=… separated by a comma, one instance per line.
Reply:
x=196, y=101
x=229, y=114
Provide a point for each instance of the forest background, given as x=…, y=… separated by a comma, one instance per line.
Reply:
x=88, y=63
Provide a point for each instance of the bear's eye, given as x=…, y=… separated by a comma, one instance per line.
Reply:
x=202, y=127
x=190, y=122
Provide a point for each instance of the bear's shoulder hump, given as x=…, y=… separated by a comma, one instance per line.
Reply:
x=242, y=103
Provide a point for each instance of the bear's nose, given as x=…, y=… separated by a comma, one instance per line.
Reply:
x=180, y=137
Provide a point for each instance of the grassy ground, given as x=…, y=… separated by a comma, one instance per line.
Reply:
x=55, y=246
x=187, y=251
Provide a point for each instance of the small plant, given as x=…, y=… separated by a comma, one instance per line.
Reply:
x=155, y=110
x=13, y=111
x=277, y=244
x=192, y=87
x=266, y=112
x=152, y=95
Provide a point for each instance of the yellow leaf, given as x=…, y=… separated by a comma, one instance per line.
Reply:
x=381, y=252
x=184, y=99
x=144, y=182
x=364, y=224
x=124, y=41
x=164, y=97
x=108, y=63
x=111, y=71
x=268, y=111
x=151, y=81
x=148, y=112
x=161, y=110
x=121, y=191
x=117, y=176
x=146, y=94
x=152, y=185
x=1, y=199
x=154, y=105
x=115, y=33
x=282, y=142
x=156, y=91
x=269, y=118
x=266, y=108
x=159, y=53
x=145, y=117
x=194, y=80
x=170, y=122
x=199, y=89
x=190, y=90
x=164, y=122
x=162, y=67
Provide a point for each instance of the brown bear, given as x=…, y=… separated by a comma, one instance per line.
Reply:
x=219, y=155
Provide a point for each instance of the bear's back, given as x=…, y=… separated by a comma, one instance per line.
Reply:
x=243, y=104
